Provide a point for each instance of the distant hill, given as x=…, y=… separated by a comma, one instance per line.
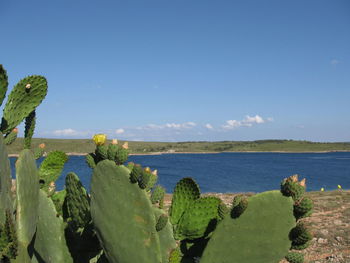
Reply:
x=87, y=145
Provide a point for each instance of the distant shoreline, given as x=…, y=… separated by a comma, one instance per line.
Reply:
x=161, y=153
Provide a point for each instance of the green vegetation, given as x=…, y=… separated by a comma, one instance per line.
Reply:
x=87, y=145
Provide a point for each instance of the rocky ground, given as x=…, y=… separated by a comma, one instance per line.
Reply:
x=329, y=224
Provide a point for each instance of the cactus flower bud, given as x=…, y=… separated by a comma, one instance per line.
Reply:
x=339, y=186
x=28, y=86
x=115, y=141
x=42, y=145
x=15, y=130
x=294, y=178
x=303, y=182
x=155, y=172
x=99, y=139
x=147, y=169
x=126, y=145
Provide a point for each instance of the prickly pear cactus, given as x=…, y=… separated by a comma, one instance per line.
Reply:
x=123, y=217
x=11, y=137
x=3, y=83
x=51, y=168
x=5, y=182
x=260, y=234
x=185, y=193
x=27, y=188
x=77, y=202
x=50, y=243
x=29, y=129
x=23, y=99
x=295, y=257
x=199, y=219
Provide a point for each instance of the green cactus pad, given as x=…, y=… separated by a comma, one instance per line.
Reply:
x=27, y=197
x=23, y=101
x=5, y=182
x=77, y=202
x=239, y=205
x=300, y=236
x=10, y=137
x=123, y=217
x=50, y=243
x=8, y=239
x=295, y=257
x=161, y=223
x=51, y=168
x=38, y=152
x=101, y=152
x=135, y=173
x=157, y=194
x=166, y=237
x=91, y=160
x=3, y=83
x=121, y=155
x=259, y=235
x=186, y=192
x=292, y=188
x=29, y=129
x=223, y=210
x=199, y=219
x=112, y=151
x=144, y=179
x=58, y=200
x=303, y=208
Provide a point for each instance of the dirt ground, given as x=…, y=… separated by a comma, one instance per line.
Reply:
x=329, y=224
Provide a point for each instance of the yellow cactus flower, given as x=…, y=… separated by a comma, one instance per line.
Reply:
x=147, y=169
x=155, y=172
x=15, y=130
x=339, y=186
x=99, y=139
x=28, y=86
x=42, y=145
x=322, y=189
x=114, y=141
x=126, y=145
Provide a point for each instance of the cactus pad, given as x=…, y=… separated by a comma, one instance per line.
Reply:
x=27, y=197
x=303, y=208
x=3, y=83
x=185, y=193
x=51, y=168
x=22, y=101
x=50, y=243
x=77, y=202
x=5, y=182
x=259, y=235
x=295, y=257
x=123, y=217
x=199, y=219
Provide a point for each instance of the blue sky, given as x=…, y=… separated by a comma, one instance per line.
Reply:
x=179, y=70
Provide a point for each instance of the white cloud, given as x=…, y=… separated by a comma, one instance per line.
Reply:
x=176, y=126
x=69, y=132
x=119, y=131
x=335, y=62
x=248, y=121
x=209, y=126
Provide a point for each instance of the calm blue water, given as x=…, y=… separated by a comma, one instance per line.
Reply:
x=235, y=172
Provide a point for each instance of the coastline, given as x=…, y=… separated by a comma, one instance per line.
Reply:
x=160, y=153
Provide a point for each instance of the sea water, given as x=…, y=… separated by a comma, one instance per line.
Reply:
x=234, y=172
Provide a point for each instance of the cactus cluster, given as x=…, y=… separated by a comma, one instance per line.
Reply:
x=124, y=214
x=114, y=152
